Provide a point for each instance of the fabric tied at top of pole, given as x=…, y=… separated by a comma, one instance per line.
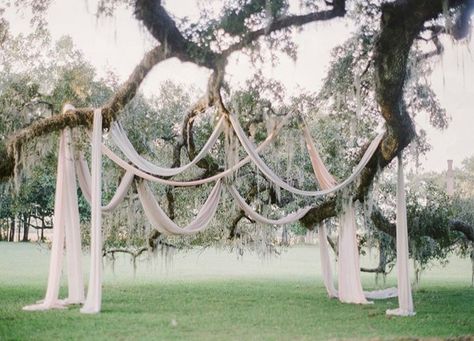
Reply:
x=405, y=300
x=160, y=220
x=288, y=219
x=253, y=154
x=65, y=226
x=119, y=136
x=94, y=292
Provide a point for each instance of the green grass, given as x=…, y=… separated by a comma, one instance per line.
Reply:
x=202, y=297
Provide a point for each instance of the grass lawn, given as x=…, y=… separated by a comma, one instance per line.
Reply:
x=214, y=296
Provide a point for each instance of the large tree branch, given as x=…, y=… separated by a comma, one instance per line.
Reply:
x=338, y=10
x=401, y=23
x=384, y=225
x=160, y=24
x=79, y=117
x=466, y=229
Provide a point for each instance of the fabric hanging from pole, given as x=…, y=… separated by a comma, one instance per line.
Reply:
x=290, y=218
x=326, y=180
x=251, y=151
x=94, y=291
x=158, y=218
x=405, y=300
x=83, y=176
x=326, y=268
x=349, y=282
x=119, y=136
x=51, y=300
x=66, y=227
x=73, y=233
x=84, y=179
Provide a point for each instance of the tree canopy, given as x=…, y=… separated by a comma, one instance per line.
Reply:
x=375, y=77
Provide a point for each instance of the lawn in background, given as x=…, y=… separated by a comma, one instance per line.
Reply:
x=214, y=295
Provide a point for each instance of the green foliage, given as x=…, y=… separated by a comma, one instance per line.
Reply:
x=429, y=211
x=59, y=74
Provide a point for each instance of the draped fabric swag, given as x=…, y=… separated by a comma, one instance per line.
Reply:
x=66, y=214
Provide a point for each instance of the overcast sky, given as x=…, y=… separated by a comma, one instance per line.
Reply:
x=118, y=44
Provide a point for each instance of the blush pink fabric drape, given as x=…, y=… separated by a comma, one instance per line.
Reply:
x=66, y=227
x=93, y=301
x=405, y=300
x=349, y=281
x=160, y=220
x=120, y=138
x=66, y=217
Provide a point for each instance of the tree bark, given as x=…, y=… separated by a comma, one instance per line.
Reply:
x=11, y=232
x=79, y=117
x=26, y=228
x=402, y=21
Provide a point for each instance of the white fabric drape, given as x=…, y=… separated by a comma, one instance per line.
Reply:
x=72, y=228
x=290, y=218
x=84, y=179
x=381, y=294
x=325, y=181
x=119, y=136
x=324, y=178
x=351, y=263
x=94, y=291
x=349, y=283
x=66, y=225
x=326, y=268
x=405, y=300
x=251, y=151
x=158, y=218
x=55, y=264
x=139, y=173
x=66, y=209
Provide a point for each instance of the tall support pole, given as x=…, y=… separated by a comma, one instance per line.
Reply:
x=51, y=299
x=405, y=300
x=94, y=293
x=72, y=229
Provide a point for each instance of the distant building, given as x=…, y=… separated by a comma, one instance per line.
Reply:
x=450, y=179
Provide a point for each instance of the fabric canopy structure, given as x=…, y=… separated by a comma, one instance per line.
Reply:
x=66, y=215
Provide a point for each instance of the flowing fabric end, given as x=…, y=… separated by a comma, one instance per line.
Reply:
x=381, y=294
x=69, y=301
x=43, y=307
x=350, y=286
x=326, y=262
x=94, y=292
x=405, y=299
x=400, y=312
x=90, y=310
